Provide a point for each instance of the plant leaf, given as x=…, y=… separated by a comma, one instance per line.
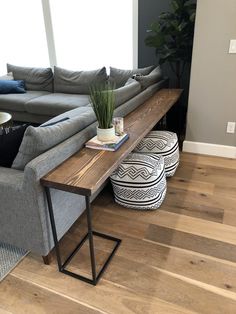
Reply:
x=103, y=103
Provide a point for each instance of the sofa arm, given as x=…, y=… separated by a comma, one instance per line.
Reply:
x=11, y=178
x=41, y=165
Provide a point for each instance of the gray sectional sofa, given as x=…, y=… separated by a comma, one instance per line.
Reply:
x=48, y=95
x=23, y=208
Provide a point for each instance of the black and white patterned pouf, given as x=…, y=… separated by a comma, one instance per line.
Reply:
x=162, y=143
x=140, y=182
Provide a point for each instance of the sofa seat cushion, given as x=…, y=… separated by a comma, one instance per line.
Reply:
x=122, y=94
x=77, y=82
x=38, y=140
x=38, y=79
x=56, y=103
x=16, y=102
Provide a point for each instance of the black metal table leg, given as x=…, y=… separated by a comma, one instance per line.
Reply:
x=89, y=236
x=54, y=229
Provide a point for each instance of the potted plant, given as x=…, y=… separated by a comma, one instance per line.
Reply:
x=172, y=36
x=103, y=103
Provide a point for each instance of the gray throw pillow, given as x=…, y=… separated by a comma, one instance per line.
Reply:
x=38, y=140
x=36, y=79
x=119, y=77
x=153, y=77
x=77, y=82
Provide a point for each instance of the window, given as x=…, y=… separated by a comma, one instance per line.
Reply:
x=91, y=34
x=80, y=34
x=23, y=35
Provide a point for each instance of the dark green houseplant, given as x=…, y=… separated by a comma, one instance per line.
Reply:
x=172, y=36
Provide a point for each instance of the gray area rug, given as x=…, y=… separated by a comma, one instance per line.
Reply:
x=10, y=256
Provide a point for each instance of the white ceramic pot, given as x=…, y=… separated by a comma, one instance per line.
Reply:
x=106, y=135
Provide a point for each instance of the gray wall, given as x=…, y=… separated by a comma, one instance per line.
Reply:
x=149, y=10
x=212, y=99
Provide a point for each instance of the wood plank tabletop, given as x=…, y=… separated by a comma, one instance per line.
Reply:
x=86, y=171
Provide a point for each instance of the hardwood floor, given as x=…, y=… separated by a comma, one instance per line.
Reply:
x=176, y=260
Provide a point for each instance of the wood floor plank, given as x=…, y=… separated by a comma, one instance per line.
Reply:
x=221, y=176
x=195, y=159
x=117, y=224
x=197, y=226
x=179, y=262
x=168, y=232
x=230, y=218
x=173, y=290
x=200, y=204
x=190, y=185
x=28, y=298
x=228, y=192
x=2, y=311
x=192, y=242
x=195, y=204
x=171, y=220
x=109, y=297
x=208, y=174
x=189, y=171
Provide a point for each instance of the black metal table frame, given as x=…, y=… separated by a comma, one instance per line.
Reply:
x=62, y=265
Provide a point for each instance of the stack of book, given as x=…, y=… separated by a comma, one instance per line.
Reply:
x=94, y=143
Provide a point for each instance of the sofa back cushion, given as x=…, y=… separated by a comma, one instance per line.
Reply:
x=153, y=77
x=38, y=140
x=37, y=79
x=126, y=92
x=119, y=77
x=77, y=82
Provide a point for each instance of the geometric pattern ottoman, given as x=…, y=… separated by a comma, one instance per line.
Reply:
x=140, y=182
x=162, y=143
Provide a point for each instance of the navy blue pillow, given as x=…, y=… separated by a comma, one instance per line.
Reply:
x=10, y=140
x=12, y=87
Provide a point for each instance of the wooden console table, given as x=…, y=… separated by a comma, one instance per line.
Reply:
x=86, y=171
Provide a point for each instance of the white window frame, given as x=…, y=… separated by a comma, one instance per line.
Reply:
x=135, y=34
x=49, y=33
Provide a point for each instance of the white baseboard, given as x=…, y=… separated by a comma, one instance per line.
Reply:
x=209, y=149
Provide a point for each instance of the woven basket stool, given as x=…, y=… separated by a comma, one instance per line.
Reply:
x=140, y=182
x=162, y=143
